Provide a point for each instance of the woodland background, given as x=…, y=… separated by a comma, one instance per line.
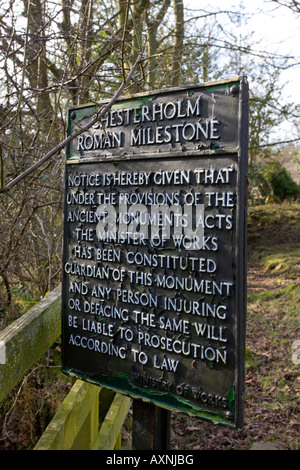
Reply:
x=59, y=53
x=55, y=54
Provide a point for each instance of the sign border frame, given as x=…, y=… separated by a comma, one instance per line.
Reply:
x=241, y=238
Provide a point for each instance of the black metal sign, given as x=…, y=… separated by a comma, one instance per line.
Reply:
x=154, y=248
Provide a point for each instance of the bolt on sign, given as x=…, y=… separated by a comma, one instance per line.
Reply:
x=154, y=262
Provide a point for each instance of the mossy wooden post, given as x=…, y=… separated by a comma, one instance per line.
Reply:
x=89, y=430
x=109, y=436
x=90, y=418
x=33, y=333
x=87, y=406
x=75, y=425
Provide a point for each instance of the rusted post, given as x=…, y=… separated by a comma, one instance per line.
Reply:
x=151, y=427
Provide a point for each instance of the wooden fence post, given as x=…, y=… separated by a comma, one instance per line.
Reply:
x=151, y=427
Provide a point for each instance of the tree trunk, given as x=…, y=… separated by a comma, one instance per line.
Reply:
x=153, y=43
x=178, y=42
x=36, y=62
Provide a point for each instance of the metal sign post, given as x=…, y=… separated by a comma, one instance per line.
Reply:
x=154, y=263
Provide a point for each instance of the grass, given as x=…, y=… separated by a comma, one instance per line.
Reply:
x=286, y=294
x=274, y=317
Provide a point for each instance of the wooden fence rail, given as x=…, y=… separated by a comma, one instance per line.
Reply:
x=90, y=417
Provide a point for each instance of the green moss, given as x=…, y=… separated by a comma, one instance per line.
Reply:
x=282, y=262
x=252, y=360
x=284, y=300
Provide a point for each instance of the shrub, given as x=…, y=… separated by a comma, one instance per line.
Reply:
x=271, y=181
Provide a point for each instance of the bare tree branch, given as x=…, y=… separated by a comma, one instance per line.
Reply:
x=291, y=4
x=75, y=134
